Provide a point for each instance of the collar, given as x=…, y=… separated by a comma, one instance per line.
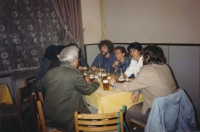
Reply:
x=67, y=64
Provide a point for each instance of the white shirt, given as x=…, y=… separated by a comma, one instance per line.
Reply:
x=134, y=67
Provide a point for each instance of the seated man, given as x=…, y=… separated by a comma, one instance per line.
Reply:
x=154, y=80
x=82, y=61
x=106, y=58
x=50, y=54
x=64, y=87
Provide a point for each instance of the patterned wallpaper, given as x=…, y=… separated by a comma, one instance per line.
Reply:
x=27, y=28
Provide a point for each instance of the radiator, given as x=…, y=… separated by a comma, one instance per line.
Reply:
x=18, y=79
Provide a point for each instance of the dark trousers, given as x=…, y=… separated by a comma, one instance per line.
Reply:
x=134, y=112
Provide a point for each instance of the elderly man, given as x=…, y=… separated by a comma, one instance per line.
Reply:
x=64, y=87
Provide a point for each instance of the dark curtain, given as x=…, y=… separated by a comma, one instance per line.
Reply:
x=2, y=5
x=68, y=12
x=27, y=28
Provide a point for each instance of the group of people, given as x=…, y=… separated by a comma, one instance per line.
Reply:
x=65, y=85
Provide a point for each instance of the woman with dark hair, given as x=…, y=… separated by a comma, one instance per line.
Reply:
x=122, y=61
x=154, y=80
x=135, y=51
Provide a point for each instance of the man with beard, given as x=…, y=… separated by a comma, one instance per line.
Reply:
x=106, y=58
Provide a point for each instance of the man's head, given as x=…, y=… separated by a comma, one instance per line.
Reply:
x=135, y=50
x=60, y=48
x=106, y=46
x=70, y=54
x=153, y=55
x=51, y=52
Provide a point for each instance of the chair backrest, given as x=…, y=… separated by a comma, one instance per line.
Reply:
x=41, y=125
x=23, y=97
x=41, y=97
x=99, y=122
x=124, y=108
x=41, y=116
x=29, y=80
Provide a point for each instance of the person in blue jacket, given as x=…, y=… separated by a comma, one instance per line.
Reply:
x=106, y=58
x=122, y=61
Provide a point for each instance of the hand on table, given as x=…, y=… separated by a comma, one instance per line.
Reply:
x=112, y=81
x=87, y=79
x=94, y=68
x=96, y=81
x=115, y=77
x=134, y=96
x=80, y=68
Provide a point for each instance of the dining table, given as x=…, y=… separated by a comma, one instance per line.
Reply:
x=5, y=96
x=111, y=100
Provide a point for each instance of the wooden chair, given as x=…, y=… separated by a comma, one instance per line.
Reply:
x=29, y=80
x=41, y=125
x=99, y=122
x=16, y=110
x=41, y=97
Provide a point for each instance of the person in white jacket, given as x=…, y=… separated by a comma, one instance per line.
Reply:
x=135, y=51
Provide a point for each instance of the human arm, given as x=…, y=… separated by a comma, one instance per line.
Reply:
x=131, y=68
x=142, y=81
x=112, y=69
x=121, y=68
x=87, y=79
x=83, y=87
x=134, y=96
x=112, y=82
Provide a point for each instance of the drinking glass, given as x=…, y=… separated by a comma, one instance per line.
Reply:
x=105, y=85
x=104, y=76
x=92, y=76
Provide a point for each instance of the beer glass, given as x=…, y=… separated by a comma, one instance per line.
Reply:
x=108, y=75
x=105, y=85
x=104, y=76
x=85, y=72
x=92, y=77
x=121, y=79
x=100, y=76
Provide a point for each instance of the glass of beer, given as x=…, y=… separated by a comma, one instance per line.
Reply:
x=108, y=75
x=121, y=79
x=92, y=77
x=85, y=72
x=104, y=76
x=100, y=76
x=105, y=85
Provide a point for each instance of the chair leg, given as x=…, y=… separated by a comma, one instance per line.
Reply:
x=21, y=124
x=129, y=126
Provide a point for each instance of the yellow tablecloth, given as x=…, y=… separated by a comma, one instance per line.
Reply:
x=110, y=101
x=5, y=96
